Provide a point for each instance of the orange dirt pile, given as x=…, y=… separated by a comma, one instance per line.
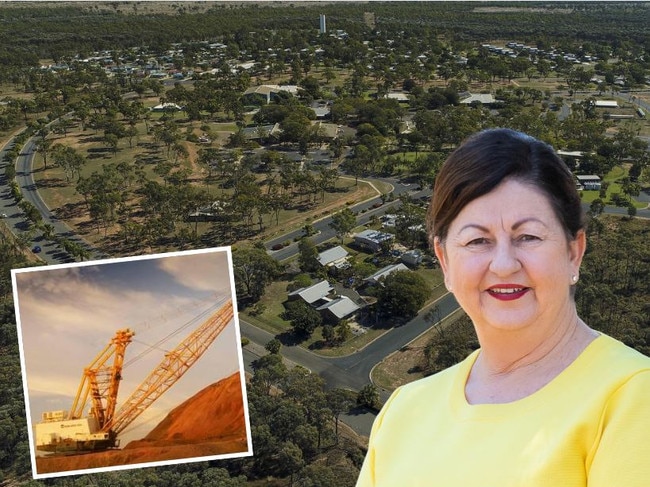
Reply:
x=212, y=422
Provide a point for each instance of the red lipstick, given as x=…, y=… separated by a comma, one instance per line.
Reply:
x=507, y=292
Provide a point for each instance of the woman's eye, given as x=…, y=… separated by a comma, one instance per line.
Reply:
x=477, y=241
x=528, y=238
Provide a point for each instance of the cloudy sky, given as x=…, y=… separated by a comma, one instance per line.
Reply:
x=68, y=314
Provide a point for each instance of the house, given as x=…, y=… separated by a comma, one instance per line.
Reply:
x=412, y=258
x=399, y=96
x=312, y=294
x=334, y=257
x=262, y=132
x=166, y=107
x=372, y=239
x=606, y=104
x=482, y=98
x=571, y=158
x=326, y=131
x=577, y=154
x=214, y=211
x=337, y=309
x=322, y=112
x=265, y=94
x=589, y=182
x=383, y=272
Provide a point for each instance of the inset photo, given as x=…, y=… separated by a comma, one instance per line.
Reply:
x=132, y=362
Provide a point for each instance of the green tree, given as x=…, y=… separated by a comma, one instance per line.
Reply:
x=304, y=319
x=402, y=294
x=270, y=371
x=308, y=255
x=368, y=396
x=253, y=269
x=596, y=208
x=343, y=222
x=328, y=333
x=339, y=401
x=631, y=210
x=290, y=460
x=273, y=346
x=451, y=344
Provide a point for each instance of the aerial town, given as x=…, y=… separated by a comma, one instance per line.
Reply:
x=307, y=138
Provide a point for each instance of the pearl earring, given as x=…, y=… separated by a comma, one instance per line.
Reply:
x=574, y=279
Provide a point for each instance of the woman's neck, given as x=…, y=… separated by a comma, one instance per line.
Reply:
x=514, y=366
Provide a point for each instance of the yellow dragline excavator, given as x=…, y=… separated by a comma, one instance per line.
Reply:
x=72, y=431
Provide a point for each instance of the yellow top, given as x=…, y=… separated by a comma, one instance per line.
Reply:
x=590, y=426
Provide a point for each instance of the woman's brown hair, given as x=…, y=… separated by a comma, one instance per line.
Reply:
x=485, y=160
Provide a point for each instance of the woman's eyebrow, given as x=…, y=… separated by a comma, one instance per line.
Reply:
x=515, y=225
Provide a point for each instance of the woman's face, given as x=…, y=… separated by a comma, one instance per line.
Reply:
x=508, y=261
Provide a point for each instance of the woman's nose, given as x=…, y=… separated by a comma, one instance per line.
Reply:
x=504, y=259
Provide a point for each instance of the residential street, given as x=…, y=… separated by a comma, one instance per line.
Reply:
x=352, y=371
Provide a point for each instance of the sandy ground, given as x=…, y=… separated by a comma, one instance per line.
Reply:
x=210, y=423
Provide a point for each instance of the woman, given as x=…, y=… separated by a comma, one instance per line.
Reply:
x=546, y=401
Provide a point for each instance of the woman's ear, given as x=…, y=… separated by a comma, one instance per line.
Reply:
x=577, y=248
x=439, y=250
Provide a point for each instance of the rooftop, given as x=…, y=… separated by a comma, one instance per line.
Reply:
x=332, y=255
x=340, y=307
x=313, y=293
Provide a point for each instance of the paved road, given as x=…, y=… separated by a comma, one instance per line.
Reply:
x=15, y=218
x=364, y=210
x=51, y=252
x=352, y=371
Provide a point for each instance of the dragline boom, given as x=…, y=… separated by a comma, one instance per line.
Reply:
x=172, y=368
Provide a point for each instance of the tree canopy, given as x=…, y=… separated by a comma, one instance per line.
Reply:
x=403, y=293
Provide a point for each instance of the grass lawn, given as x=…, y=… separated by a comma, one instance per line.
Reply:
x=351, y=346
x=435, y=281
x=272, y=303
x=613, y=178
x=61, y=195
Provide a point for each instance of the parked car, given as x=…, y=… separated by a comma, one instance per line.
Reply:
x=36, y=249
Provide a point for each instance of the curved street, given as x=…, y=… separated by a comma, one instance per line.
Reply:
x=51, y=253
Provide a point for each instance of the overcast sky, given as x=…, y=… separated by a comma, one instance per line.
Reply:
x=68, y=314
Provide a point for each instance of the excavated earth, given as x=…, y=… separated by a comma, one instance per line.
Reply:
x=212, y=422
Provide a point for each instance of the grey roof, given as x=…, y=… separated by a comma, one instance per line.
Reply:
x=261, y=131
x=386, y=271
x=340, y=307
x=332, y=255
x=484, y=98
x=373, y=236
x=314, y=292
x=412, y=257
x=321, y=111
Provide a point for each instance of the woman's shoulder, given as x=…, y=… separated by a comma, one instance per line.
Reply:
x=616, y=356
x=611, y=364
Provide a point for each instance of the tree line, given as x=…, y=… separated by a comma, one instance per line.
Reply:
x=47, y=32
